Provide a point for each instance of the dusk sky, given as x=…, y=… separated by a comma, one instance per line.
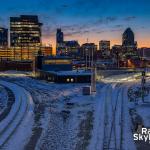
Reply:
x=81, y=19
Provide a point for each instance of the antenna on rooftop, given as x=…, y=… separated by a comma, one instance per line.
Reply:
x=87, y=40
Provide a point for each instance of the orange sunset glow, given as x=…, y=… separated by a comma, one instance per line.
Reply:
x=142, y=39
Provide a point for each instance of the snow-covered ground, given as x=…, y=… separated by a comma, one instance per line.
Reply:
x=141, y=109
x=64, y=113
x=127, y=77
x=3, y=99
x=21, y=109
x=64, y=119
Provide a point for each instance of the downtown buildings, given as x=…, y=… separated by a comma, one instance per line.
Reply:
x=59, y=42
x=66, y=48
x=4, y=43
x=88, y=50
x=128, y=37
x=25, y=36
x=59, y=37
x=124, y=55
x=3, y=38
x=25, y=39
x=129, y=55
x=26, y=43
x=104, y=48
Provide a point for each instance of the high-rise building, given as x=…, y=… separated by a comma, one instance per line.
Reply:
x=25, y=36
x=72, y=48
x=116, y=53
x=59, y=41
x=128, y=42
x=46, y=50
x=129, y=56
x=66, y=48
x=129, y=45
x=59, y=36
x=3, y=38
x=144, y=52
x=87, y=50
x=5, y=53
x=128, y=38
x=104, y=47
x=69, y=48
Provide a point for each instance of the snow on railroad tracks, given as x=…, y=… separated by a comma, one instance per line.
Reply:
x=110, y=130
x=16, y=115
x=112, y=127
x=117, y=131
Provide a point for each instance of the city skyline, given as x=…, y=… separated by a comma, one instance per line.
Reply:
x=95, y=20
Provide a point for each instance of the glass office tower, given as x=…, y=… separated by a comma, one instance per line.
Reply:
x=25, y=36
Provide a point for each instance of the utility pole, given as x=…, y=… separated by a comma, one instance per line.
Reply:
x=143, y=81
x=118, y=65
x=93, y=71
x=87, y=53
x=34, y=58
x=33, y=66
x=89, y=58
x=86, y=59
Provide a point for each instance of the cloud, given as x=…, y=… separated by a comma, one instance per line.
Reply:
x=100, y=32
x=79, y=28
x=130, y=18
x=105, y=20
x=54, y=7
x=118, y=26
x=115, y=30
x=77, y=32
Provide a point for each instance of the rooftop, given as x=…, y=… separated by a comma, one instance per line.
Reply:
x=72, y=73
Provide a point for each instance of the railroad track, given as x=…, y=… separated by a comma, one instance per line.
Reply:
x=10, y=102
x=9, y=125
x=113, y=120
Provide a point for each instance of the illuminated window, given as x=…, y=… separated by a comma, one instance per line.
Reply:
x=59, y=61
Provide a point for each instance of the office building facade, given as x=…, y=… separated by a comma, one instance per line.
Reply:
x=3, y=38
x=25, y=36
x=128, y=40
x=128, y=37
x=88, y=50
x=59, y=36
x=104, y=47
x=59, y=41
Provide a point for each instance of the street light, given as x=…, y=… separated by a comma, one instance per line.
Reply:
x=93, y=71
x=86, y=59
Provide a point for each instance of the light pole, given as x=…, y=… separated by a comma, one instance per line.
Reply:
x=143, y=81
x=86, y=59
x=89, y=58
x=93, y=71
x=118, y=60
